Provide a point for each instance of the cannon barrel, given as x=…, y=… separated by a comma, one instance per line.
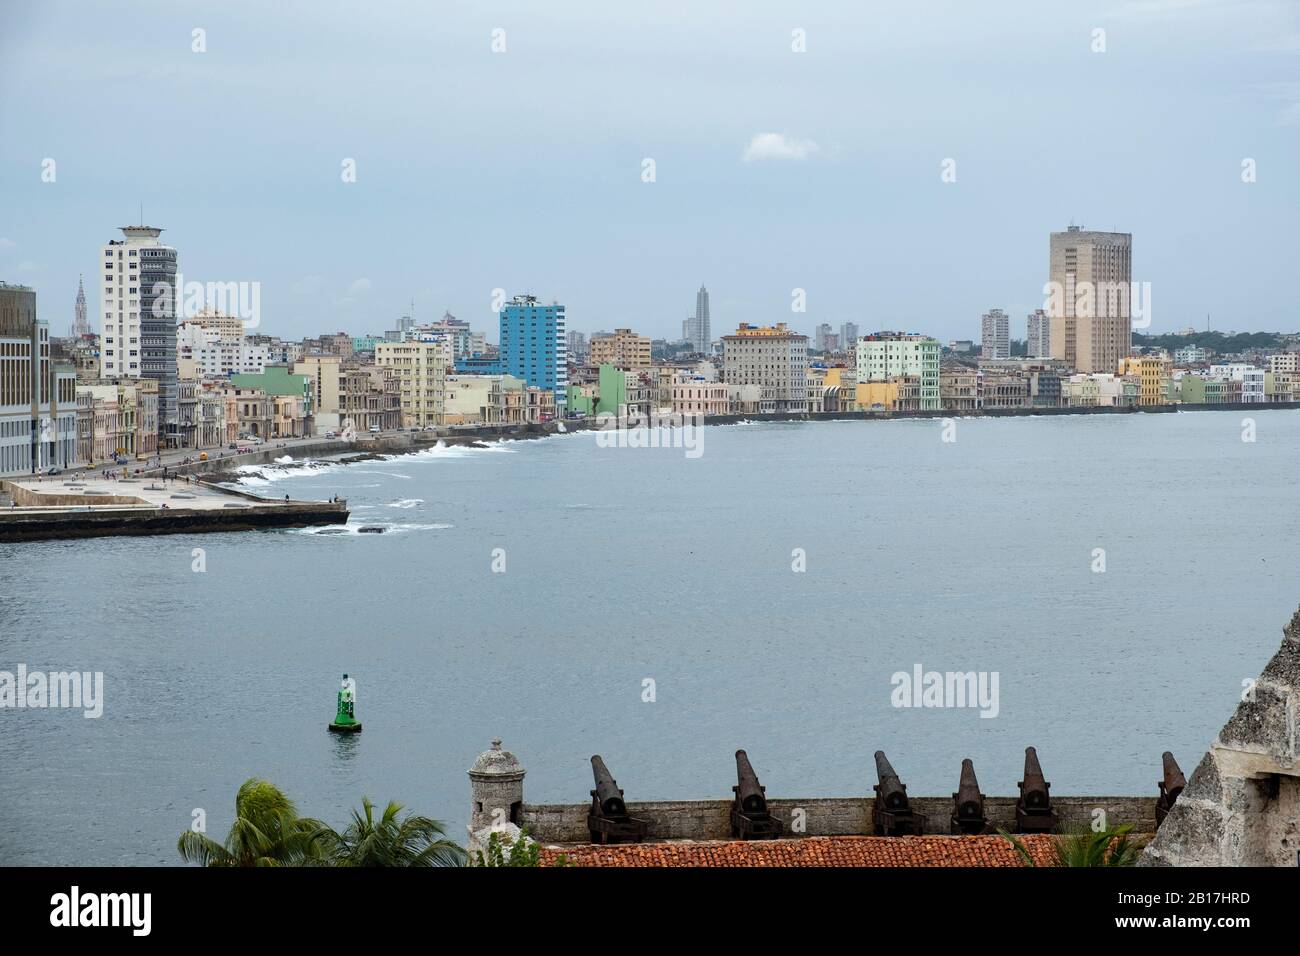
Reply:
x=970, y=802
x=890, y=789
x=607, y=793
x=1033, y=789
x=748, y=790
x=1174, y=781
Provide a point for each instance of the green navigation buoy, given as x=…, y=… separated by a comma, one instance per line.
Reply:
x=345, y=721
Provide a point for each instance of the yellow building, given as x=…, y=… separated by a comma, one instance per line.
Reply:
x=1151, y=371
x=422, y=368
x=877, y=395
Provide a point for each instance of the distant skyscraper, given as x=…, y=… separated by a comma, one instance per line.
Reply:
x=1090, y=283
x=577, y=342
x=995, y=335
x=1038, y=337
x=534, y=345
x=848, y=335
x=80, y=326
x=696, y=329
x=820, y=335
x=138, y=318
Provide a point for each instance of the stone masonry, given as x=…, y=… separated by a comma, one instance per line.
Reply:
x=1241, y=806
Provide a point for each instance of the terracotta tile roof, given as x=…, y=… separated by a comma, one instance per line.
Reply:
x=810, y=851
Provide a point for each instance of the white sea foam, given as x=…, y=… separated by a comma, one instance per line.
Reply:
x=406, y=503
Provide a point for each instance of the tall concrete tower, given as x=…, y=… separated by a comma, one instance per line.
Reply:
x=1090, y=285
x=137, y=315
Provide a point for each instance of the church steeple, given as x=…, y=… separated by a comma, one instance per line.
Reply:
x=80, y=326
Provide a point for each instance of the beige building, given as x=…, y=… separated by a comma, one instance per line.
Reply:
x=695, y=396
x=959, y=388
x=421, y=367
x=624, y=349
x=253, y=408
x=371, y=397
x=1088, y=297
x=774, y=360
x=469, y=399
x=217, y=327
x=123, y=417
x=326, y=374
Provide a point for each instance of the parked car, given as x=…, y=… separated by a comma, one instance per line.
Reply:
x=331, y=435
x=259, y=441
x=233, y=446
x=374, y=429
x=54, y=471
x=430, y=428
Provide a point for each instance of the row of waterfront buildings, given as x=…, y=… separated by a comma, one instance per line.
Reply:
x=160, y=373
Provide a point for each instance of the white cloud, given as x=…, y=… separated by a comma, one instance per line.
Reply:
x=359, y=286
x=778, y=146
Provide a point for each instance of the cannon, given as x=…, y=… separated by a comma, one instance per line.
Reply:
x=608, y=820
x=1034, y=806
x=1170, y=787
x=968, y=803
x=750, y=819
x=891, y=814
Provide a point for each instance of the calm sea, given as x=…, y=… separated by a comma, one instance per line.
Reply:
x=625, y=566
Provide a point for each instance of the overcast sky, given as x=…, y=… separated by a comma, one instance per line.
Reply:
x=773, y=169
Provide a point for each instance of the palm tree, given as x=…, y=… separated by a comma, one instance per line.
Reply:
x=267, y=832
x=1086, y=847
x=410, y=841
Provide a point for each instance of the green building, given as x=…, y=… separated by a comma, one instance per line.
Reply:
x=278, y=380
x=1197, y=390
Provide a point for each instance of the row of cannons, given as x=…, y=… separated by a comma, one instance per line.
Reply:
x=892, y=813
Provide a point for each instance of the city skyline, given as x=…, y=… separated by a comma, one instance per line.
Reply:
x=761, y=189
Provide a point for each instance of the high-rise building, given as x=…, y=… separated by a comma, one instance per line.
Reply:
x=577, y=343
x=774, y=359
x=138, y=317
x=696, y=328
x=80, y=325
x=534, y=345
x=38, y=395
x=887, y=356
x=848, y=335
x=820, y=335
x=422, y=369
x=1090, y=281
x=995, y=335
x=623, y=348
x=1038, y=335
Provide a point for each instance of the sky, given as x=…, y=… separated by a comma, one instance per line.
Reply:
x=504, y=145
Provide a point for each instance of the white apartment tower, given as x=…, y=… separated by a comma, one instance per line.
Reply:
x=1038, y=334
x=995, y=335
x=137, y=315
